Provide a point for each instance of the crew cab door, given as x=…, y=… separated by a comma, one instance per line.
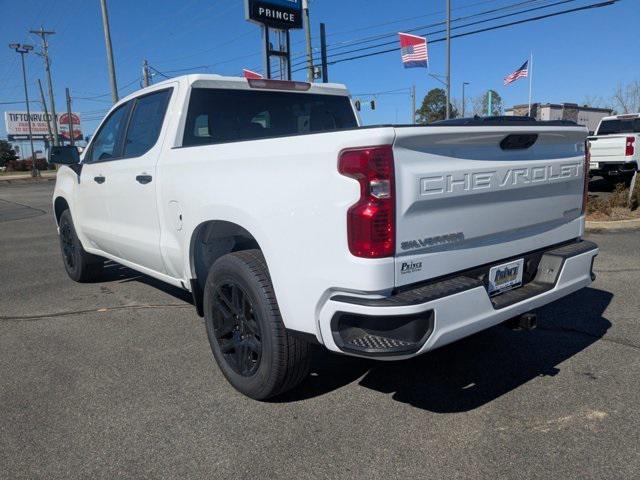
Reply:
x=132, y=202
x=94, y=188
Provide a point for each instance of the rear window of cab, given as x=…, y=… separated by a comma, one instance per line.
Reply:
x=224, y=115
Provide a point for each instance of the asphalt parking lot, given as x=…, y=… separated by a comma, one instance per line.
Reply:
x=116, y=379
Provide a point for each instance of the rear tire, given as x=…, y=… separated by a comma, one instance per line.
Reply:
x=248, y=339
x=80, y=265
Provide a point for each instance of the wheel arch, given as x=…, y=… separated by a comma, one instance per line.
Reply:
x=60, y=204
x=211, y=240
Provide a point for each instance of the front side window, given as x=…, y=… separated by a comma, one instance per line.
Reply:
x=146, y=122
x=106, y=142
x=218, y=116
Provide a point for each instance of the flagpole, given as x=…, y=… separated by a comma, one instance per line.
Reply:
x=530, y=79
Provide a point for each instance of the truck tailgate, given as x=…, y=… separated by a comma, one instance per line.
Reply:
x=463, y=200
x=609, y=146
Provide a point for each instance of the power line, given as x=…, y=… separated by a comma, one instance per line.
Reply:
x=354, y=42
x=344, y=45
x=415, y=29
x=381, y=36
x=478, y=22
x=101, y=95
x=487, y=29
x=158, y=72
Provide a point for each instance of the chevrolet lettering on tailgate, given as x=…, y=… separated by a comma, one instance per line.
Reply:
x=492, y=180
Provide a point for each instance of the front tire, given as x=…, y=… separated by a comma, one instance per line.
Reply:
x=248, y=339
x=80, y=265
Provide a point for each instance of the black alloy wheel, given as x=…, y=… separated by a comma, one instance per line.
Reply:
x=237, y=329
x=68, y=244
x=80, y=265
x=248, y=338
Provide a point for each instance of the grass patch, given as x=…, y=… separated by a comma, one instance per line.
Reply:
x=616, y=206
x=634, y=200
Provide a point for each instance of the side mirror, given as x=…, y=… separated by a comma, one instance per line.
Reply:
x=64, y=155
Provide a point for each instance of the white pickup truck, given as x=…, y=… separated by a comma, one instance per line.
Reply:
x=292, y=225
x=615, y=148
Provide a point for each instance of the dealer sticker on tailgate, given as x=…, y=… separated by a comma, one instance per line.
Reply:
x=505, y=277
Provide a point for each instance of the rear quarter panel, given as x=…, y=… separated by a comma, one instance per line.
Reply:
x=288, y=194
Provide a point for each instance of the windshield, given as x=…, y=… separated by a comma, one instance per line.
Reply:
x=612, y=127
x=225, y=115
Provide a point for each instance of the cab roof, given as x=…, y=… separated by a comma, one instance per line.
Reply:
x=203, y=80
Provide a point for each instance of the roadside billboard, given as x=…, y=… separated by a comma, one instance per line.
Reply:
x=283, y=14
x=17, y=125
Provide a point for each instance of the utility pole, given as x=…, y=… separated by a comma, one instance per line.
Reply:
x=307, y=31
x=42, y=33
x=146, y=77
x=107, y=42
x=448, y=110
x=69, y=117
x=323, y=53
x=46, y=112
x=464, y=110
x=413, y=104
x=22, y=49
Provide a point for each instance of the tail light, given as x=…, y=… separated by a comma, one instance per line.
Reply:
x=371, y=220
x=585, y=191
x=629, y=147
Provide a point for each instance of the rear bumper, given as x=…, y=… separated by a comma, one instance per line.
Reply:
x=429, y=316
x=614, y=168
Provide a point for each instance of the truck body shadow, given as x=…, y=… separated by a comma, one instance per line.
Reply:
x=459, y=377
x=474, y=371
x=114, y=272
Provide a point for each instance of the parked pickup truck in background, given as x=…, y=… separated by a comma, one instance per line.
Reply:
x=615, y=148
x=292, y=225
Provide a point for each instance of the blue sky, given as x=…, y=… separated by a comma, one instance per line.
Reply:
x=575, y=56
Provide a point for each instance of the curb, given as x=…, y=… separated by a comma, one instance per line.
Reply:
x=27, y=178
x=613, y=226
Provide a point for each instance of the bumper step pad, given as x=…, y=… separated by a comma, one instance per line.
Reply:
x=375, y=342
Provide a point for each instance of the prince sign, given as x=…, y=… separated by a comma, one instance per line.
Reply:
x=280, y=14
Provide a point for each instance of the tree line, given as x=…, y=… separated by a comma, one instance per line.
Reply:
x=625, y=99
x=434, y=106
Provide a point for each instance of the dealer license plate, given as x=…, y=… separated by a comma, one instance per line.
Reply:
x=505, y=277
x=594, y=165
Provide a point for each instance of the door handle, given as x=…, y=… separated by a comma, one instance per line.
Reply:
x=144, y=179
x=99, y=179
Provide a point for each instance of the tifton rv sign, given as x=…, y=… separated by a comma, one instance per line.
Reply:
x=18, y=126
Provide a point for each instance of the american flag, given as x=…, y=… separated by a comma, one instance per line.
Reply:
x=414, y=51
x=522, y=72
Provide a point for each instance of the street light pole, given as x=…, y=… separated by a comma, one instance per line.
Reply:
x=107, y=42
x=22, y=49
x=464, y=84
x=448, y=110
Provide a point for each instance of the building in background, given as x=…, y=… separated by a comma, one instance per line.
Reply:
x=585, y=115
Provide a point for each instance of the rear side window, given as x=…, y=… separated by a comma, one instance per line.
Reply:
x=612, y=127
x=218, y=116
x=146, y=122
